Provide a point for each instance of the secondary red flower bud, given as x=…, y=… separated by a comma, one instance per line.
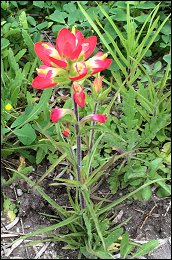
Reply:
x=58, y=113
x=95, y=117
x=66, y=132
x=98, y=84
x=79, y=95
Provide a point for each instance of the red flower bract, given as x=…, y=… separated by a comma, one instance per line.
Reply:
x=56, y=114
x=79, y=95
x=99, y=117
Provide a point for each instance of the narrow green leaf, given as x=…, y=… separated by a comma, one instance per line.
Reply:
x=125, y=247
x=50, y=228
x=13, y=64
x=29, y=43
x=103, y=39
x=20, y=54
x=87, y=222
x=146, y=248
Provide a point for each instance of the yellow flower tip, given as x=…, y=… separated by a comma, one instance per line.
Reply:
x=103, y=57
x=8, y=106
x=42, y=71
x=46, y=46
x=73, y=29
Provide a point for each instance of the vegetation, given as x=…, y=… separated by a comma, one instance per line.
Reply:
x=132, y=149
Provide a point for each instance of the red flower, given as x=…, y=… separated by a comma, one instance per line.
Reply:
x=79, y=95
x=69, y=57
x=95, y=117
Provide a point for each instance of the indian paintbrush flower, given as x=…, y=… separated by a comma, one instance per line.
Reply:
x=68, y=61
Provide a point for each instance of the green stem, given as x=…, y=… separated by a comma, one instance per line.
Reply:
x=92, y=132
x=78, y=153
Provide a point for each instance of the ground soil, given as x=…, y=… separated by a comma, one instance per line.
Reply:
x=149, y=220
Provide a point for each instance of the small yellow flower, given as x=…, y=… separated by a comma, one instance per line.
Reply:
x=8, y=106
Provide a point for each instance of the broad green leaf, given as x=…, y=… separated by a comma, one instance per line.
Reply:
x=146, y=5
x=166, y=187
x=14, y=95
x=167, y=58
x=157, y=66
x=58, y=16
x=42, y=25
x=146, y=193
x=161, y=192
x=26, y=134
x=141, y=18
x=23, y=119
x=166, y=29
x=154, y=165
x=40, y=155
x=31, y=20
x=39, y=4
x=4, y=43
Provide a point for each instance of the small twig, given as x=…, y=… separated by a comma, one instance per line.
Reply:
x=15, y=245
x=12, y=224
x=27, y=253
x=38, y=255
x=148, y=215
x=167, y=209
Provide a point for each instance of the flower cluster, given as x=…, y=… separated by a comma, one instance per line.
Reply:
x=69, y=60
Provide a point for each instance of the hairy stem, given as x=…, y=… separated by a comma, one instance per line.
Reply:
x=78, y=153
x=92, y=132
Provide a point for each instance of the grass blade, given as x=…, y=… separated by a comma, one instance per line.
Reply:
x=118, y=201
